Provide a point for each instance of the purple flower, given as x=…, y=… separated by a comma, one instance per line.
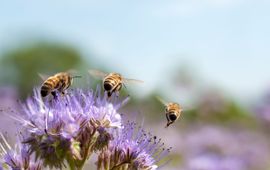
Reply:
x=18, y=158
x=8, y=103
x=214, y=162
x=133, y=148
x=70, y=127
x=211, y=103
x=218, y=148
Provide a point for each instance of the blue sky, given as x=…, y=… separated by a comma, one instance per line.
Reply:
x=226, y=42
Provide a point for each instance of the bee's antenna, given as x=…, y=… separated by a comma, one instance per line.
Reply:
x=76, y=77
x=161, y=100
x=166, y=126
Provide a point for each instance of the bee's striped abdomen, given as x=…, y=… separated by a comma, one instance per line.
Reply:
x=173, y=111
x=58, y=82
x=112, y=83
x=47, y=87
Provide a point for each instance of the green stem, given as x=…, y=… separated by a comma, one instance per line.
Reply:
x=81, y=163
x=71, y=163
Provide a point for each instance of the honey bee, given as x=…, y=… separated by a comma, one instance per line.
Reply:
x=58, y=82
x=112, y=82
x=172, y=111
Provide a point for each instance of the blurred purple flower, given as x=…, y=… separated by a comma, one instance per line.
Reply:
x=211, y=102
x=217, y=148
x=17, y=158
x=214, y=162
x=70, y=127
x=8, y=97
x=262, y=109
x=8, y=103
x=133, y=148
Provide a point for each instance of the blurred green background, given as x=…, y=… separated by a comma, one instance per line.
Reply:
x=209, y=56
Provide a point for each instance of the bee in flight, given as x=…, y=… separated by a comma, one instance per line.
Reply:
x=112, y=82
x=172, y=111
x=58, y=82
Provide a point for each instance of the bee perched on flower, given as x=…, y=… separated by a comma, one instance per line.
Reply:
x=132, y=149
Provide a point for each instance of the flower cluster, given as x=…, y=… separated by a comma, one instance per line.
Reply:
x=67, y=130
x=17, y=158
x=133, y=148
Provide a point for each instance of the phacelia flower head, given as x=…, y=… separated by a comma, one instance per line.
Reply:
x=132, y=149
x=18, y=158
x=69, y=127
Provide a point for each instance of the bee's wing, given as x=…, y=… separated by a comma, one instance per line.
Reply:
x=74, y=73
x=97, y=73
x=126, y=80
x=161, y=100
x=187, y=108
x=43, y=76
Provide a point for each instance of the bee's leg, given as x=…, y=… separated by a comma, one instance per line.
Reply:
x=168, y=124
x=63, y=93
x=167, y=118
x=104, y=92
x=117, y=94
x=124, y=86
x=168, y=121
x=54, y=94
x=109, y=94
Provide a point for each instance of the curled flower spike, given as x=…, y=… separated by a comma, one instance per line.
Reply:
x=18, y=158
x=132, y=149
x=103, y=139
x=70, y=127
